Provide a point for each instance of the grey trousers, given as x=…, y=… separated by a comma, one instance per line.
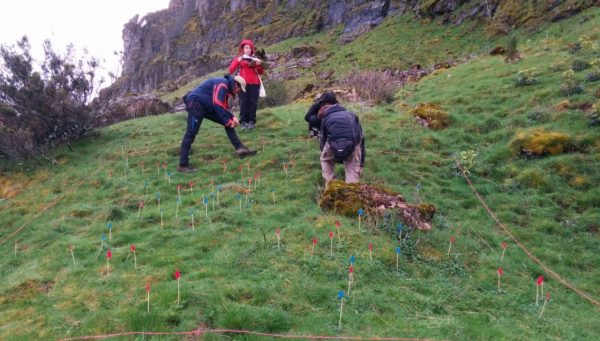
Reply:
x=351, y=164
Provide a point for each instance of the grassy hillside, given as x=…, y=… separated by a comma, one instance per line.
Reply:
x=234, y=275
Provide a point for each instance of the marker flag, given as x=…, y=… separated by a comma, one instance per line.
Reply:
x=169, y=176
x=141, y=205
x=278, y=233
x=110, y=226
x=109, y=254
x=503, y=246
x=341, y=298
x=399, y=229
x=398, y=257
x=108, y=257
x=103, y=237
x=191, y=184
x=500, y=272
x=360, y=214
x=545, y=301
x=539, y=283
x=352, y=260
x=148, y=293
x=312, y=250
x=350, y=277
x=331, y=244
x=132, y=248
x=177, y=276
x=452, y=240
x=239, y=197
x=370, y=252
x=338, y=225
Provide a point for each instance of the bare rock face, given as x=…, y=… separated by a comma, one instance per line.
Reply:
x=347, y=199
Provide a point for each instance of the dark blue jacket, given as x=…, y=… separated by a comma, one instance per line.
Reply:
x=338, y=123
x=213, y=98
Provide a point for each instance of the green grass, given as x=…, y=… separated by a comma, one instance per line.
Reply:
x=233, y=274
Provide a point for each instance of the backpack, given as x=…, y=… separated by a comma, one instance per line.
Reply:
x=342, y=149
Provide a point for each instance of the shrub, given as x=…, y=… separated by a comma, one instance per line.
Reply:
x=42, y=109
x=570, y=86
x=467, y=159
x=539, y=142
x=579, y=65
x=277, y=94
x=378, y=86
x=594, y=115
x=527, y=77
x=431, y=115
x=537, y=116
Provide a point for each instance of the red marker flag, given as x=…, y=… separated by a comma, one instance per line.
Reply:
x=337, y=228
x=177, y=276
x=314, y=242
x=331, y=243
x=539, y=283
x=452, y=240
x=503, y=246
x=148, y=293
x=108, y=257
x=278, y=233
x=546, y=301
x=500, y=273
x=132, y=248
x=371, y=252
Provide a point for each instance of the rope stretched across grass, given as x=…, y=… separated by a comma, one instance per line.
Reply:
x=522, y=247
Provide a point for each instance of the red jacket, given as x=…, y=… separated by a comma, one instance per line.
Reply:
x=248, y=72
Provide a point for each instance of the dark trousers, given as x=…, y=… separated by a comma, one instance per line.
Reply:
x=194, y=121
x=249, y=103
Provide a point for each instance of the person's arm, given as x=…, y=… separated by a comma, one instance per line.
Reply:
x=235, y=63
x=220, y=94
x=323, y=134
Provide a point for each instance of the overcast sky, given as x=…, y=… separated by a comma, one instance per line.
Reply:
x=92, y=24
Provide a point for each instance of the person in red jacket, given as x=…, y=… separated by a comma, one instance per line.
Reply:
x=249, y=68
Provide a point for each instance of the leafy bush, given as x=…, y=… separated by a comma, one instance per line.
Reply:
x=41, y=109
x=594, y=115
x=379, y=86
x=570, y=86
x=527, y=77
x=277, y=94
x=467, y=160
x=579, y=65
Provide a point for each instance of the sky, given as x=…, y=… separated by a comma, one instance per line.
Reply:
x=95, y=25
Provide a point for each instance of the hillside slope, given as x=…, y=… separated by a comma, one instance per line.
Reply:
x=234, y=275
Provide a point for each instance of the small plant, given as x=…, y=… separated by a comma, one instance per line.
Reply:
x=537, y=116
x=579, y=65
x=569, y=86
x=587, y=45
x=594, y=115
x=467, y=159
x=512, y=54
x=594, y=75
x=527, y=77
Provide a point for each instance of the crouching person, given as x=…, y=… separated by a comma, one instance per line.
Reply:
x=312, y=115
x=342, y=141
x=210, y=100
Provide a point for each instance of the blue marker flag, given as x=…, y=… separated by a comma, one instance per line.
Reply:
x=110, y=225
x=205, y=201
x=399, y=227
x=352, y=259
x=158, y=195
x=103, y=237
x=340, y=294
x=272, y=189
x=169, y=174
x=212, y=195
x=398, y=249
x=418, y=186
x=360, y=211
x=239, y=195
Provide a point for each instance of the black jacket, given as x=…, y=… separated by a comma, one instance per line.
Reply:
x=338, y=123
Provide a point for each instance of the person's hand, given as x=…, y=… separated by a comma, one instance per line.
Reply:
x=258, y=62
x=240, y=58
x=236, y=122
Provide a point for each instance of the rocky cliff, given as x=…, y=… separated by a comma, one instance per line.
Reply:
x=193, y=37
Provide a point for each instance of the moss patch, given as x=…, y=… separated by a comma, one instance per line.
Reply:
x=431, y=115
x=540, y=142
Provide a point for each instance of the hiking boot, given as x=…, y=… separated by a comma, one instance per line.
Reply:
x=186, y=169
x=243, y=125
x=251, y=125
x=242, y=152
